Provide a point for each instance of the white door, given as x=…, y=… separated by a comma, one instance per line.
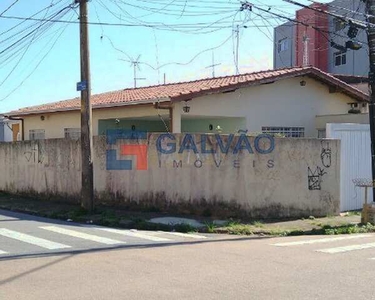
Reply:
x=355, y=161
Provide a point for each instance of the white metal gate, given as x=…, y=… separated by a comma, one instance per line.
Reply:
x=355, y=161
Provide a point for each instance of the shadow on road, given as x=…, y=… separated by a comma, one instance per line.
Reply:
x=137, y=246
x=15, y=277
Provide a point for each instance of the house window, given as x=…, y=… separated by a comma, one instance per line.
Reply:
x=72, y=133
x=282, y=45
x=338, y=24
x=365, y=108
x=285, y=131
x=339, y=58
x=36, y=134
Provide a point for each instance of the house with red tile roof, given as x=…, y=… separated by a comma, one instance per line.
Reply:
x=285, y=101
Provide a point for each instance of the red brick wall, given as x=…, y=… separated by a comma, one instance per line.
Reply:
x=317, y=43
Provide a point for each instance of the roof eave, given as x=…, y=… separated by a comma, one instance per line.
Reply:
x=312, y=72
x=94, y=107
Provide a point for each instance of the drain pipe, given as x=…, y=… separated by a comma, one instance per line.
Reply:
x=170, y=109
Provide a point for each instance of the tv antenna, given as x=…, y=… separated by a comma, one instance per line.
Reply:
x=213, y=65
x=135, y=64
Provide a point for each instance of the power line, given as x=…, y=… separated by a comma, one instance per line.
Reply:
x=188, y=62
x=342, y=8
x=192, y=25
x=322, y=31
x=35, y=14
x=342, y=18
x=54, y=42
x=34, y=35
x=9, y=7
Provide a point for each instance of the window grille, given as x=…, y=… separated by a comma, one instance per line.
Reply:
x=284, y=131
x=36, y=134
x=72, y=133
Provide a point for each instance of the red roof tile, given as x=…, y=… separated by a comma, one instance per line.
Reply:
x=187, y=90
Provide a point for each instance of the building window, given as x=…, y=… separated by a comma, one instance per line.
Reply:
x=338, y=24
x=36, y=134
x=285, y=131
x=365, y=108
x=282, y=45
x=72, y=133
x=339, y=58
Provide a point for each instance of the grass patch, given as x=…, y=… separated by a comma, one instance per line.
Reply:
x=348, y=229
x=250, y=229
x=210, y=227
x=258, y=224
x=353, y=213
x=238, y=229
x=330, y=216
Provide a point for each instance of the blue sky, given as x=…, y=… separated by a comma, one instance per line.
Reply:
x=56, y=77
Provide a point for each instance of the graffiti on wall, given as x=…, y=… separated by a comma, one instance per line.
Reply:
x=315, y=176
x=326, y=154
x=35, y=153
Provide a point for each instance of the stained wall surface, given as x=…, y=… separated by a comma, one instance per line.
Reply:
x=220, y=174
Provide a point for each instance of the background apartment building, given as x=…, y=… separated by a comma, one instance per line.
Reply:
x=296, y=44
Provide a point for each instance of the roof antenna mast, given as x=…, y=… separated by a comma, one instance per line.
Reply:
x=213, y=65
x=135, y=63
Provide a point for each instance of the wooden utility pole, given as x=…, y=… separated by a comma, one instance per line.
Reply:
x=87, y=190
x=370, y=10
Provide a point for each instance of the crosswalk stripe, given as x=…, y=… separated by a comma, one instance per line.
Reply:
x=32, y=239
x=186, y=235
x=347, y=248
x=318, y=241
x=135, y=234
x=82, y=235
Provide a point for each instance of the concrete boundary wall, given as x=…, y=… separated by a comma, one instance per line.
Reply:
x=222, y=175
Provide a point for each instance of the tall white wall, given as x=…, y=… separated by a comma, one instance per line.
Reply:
x=355, y=162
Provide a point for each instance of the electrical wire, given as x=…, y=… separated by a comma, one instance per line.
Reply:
x=9, y=7
x=54, y=41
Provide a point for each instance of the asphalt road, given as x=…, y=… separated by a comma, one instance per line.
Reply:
x=307, y=267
